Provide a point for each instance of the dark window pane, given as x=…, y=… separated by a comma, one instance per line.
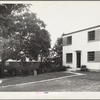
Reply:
x=91, y=56
x=69, y=57
x=91, y=35
x=69, y=40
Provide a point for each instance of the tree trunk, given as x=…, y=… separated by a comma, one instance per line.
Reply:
x=2, y=63
x=41, y=63
x=3, y=60
x=2, y=68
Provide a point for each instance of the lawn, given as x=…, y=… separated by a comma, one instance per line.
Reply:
x=89, y=82
x=32, y=78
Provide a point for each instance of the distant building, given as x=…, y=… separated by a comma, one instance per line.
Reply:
x=82, y=48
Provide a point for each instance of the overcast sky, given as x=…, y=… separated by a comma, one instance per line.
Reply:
x=67, y=16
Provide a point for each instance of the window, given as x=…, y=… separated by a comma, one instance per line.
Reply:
x=69, y=57
x=91, y=35
x=69, y=40
x=91, y=56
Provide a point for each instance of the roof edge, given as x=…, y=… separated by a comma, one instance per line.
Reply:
x=81, y=30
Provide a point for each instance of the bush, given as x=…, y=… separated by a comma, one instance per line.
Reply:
x=12, y=72
x=68, y=67
x=56, y=69
x=26, y=72
x=84, y=68
x=63, y=68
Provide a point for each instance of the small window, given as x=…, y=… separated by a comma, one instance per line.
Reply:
x=69, y=57
x=91, y=35
x=69, y=40
x=91, y=56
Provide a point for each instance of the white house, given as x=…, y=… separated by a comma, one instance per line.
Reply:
x=82, y=47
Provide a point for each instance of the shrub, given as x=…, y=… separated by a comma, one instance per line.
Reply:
x=12, y=72
x=63, y=68
x=68, y=66
x=84, y=68
x=56, y=69
x=26, y=72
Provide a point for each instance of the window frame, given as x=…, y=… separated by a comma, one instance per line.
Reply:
x=69, y=40
x=91, y=35
x=69, y=57
x=91, y=56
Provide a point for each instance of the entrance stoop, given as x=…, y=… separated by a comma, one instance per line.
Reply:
x=73, y=69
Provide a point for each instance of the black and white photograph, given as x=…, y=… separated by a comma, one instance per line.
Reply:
x=50, y=47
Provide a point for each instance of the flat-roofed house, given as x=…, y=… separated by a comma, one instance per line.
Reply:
x=82, y=48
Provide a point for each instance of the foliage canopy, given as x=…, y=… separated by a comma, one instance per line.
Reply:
x=26, y=34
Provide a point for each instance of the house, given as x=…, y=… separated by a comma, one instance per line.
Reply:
x=82, y=47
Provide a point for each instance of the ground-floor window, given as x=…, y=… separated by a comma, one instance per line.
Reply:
x=69, y=57
x=91, y=56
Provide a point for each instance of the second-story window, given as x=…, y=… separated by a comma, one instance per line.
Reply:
x=69, y=40
x=91, y=35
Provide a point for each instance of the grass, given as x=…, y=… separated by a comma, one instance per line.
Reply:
x=31, y=78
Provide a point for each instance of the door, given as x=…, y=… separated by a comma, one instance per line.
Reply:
x=78, y=59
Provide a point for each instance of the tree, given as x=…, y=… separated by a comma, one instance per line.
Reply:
x=31, y=36
x=7, y=11
x=26, y=34
x=58, y=49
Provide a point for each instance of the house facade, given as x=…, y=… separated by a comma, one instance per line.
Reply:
x=82, y=48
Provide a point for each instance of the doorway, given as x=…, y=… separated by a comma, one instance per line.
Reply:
x=78, y=59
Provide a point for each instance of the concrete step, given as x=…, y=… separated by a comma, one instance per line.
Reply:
x=73, y=69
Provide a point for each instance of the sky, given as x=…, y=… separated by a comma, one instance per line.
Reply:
x=67, y=16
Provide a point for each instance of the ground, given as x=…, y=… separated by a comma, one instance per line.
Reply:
x=53, y=82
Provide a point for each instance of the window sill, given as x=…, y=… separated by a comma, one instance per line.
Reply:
x=68, y=44
x=69, y=62
x=89, y=41
x=91, y=61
